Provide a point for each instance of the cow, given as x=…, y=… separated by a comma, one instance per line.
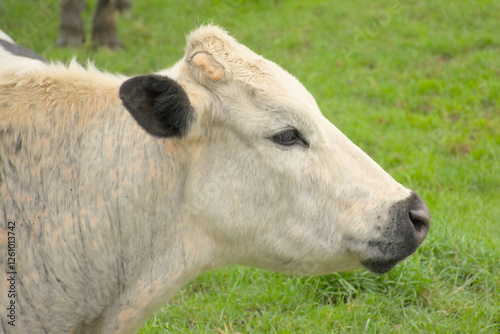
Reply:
x=116, y=190
x=71, y=28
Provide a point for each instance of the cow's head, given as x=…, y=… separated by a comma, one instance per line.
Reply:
x=269, y=177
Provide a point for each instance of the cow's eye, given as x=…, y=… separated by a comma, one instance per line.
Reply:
x=289, y=138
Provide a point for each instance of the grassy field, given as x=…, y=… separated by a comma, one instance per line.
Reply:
x=415, y=84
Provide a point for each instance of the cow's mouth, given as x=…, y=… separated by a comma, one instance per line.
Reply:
x=380, y=266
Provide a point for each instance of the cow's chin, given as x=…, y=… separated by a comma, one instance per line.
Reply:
x=380, y=266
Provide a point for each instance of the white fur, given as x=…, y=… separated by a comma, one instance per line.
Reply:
x=119, y=220
x=5, y=37
x=13, y=62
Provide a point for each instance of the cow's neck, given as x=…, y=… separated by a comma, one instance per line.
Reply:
x=102, y=200
x=158, y=246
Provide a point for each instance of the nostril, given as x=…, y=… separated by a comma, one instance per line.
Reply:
x=418, y=221
x=421, y=220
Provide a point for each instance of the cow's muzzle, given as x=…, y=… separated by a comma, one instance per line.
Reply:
x=409, y=224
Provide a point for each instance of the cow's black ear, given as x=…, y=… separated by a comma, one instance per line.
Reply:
x=158, y=104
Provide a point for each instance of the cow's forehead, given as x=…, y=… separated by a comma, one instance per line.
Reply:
x=240, y=64
x=238, y=61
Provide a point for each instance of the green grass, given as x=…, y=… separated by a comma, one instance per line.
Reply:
x=415, y=84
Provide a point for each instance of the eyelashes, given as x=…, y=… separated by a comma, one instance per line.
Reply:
x=289, y=138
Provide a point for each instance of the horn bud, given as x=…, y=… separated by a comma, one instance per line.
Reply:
x=210, y=68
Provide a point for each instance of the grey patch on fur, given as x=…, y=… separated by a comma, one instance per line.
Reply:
x=21, y=51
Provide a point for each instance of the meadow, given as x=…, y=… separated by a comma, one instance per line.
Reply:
x=416, y=84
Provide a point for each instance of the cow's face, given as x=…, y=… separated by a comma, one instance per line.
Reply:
x=270, y=178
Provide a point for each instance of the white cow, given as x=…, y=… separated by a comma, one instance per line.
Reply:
x=223, y=159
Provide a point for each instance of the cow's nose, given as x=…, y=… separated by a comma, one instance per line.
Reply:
x=420, y=217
